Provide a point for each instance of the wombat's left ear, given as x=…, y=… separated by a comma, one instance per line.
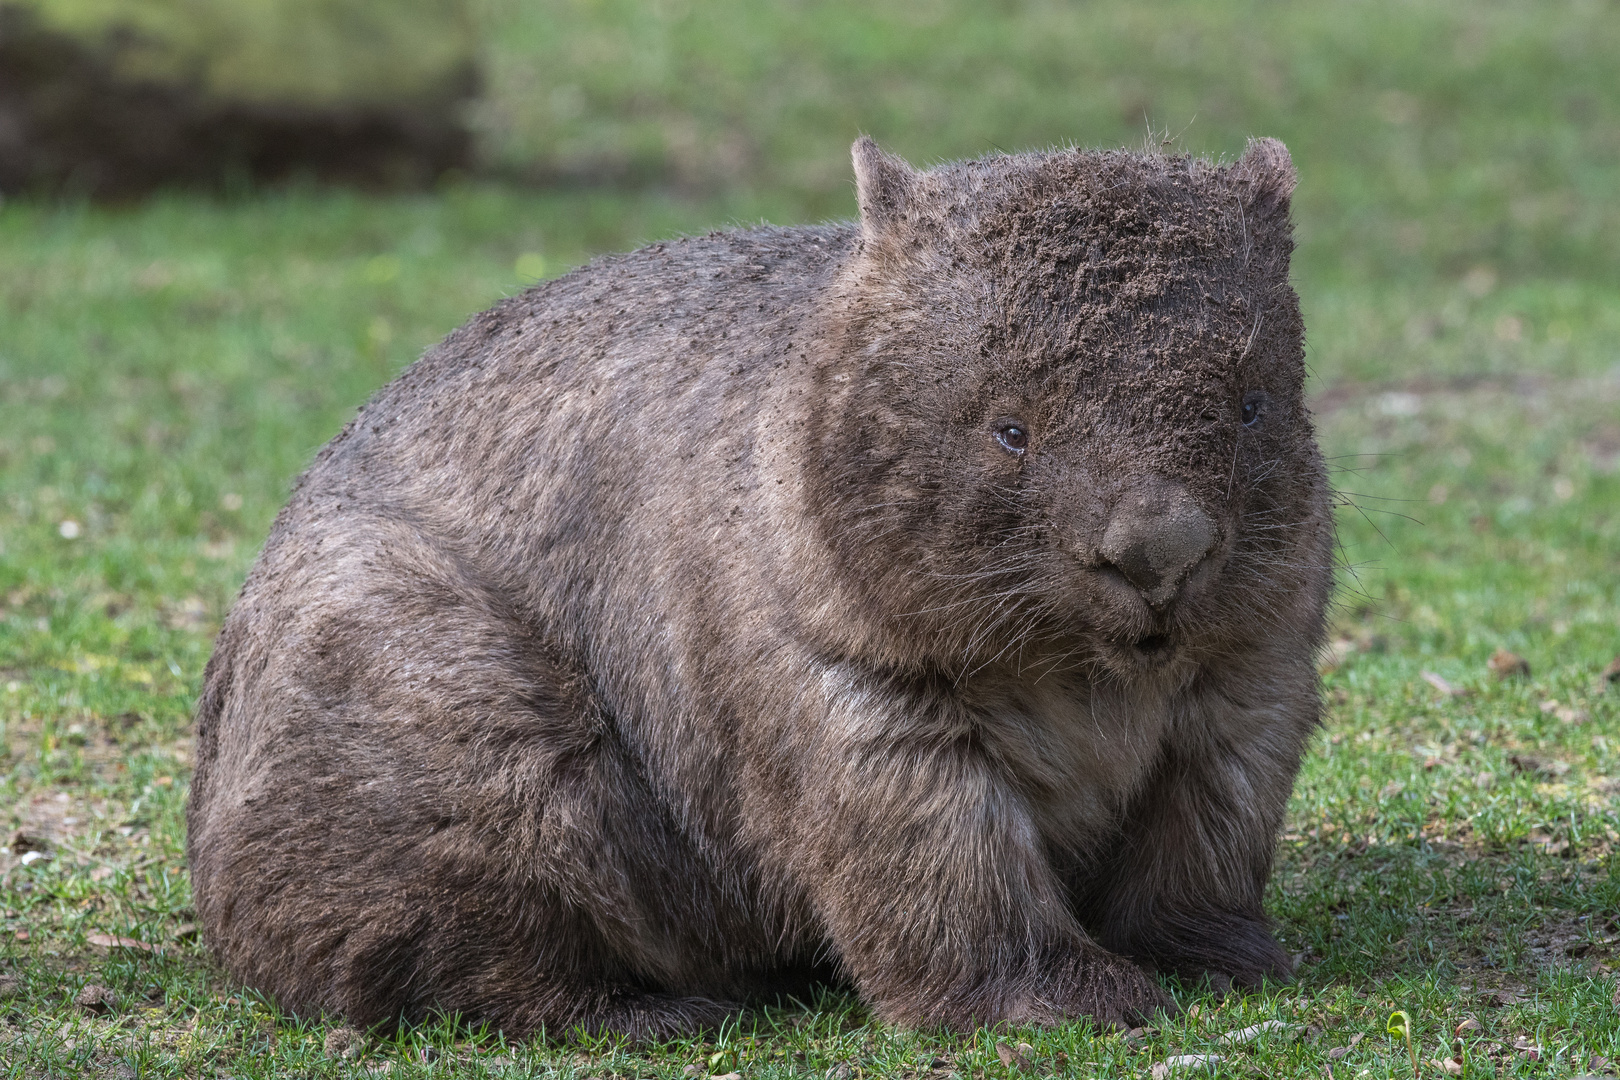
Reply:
x=883, y=185
x=1268, y=172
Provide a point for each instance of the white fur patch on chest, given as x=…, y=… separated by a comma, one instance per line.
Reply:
x=1076, y=751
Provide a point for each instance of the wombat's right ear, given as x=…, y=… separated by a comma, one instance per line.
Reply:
x=1268, y=171
x=883, y=185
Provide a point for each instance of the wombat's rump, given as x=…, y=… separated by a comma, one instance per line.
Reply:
x=928, y=602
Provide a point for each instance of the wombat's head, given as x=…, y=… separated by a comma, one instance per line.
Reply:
x=1063, y=414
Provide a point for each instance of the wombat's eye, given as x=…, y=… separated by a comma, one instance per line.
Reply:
x=1254, y=406
x=1012, y=435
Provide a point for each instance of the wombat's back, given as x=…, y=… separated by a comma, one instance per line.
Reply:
x=595, y=384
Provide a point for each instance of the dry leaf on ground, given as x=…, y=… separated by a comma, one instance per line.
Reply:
x=1611, y=674
x=1015, y=1056
x=96, y=998
x=1544, y=768
x=1250, y=1034
x=1339, y=1051
x=1445, y=686
x=1507, y=665
x=344, y=1042
x=113, y=941
x=1184, y=1063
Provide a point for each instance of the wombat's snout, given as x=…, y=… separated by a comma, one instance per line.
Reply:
x=1155, y=537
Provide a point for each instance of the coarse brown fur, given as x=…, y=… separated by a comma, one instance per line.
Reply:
x=928, y=602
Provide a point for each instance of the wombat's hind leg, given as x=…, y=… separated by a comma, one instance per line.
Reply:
x=461, y=968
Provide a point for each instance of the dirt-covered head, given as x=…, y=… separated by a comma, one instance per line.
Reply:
x=1063, y=412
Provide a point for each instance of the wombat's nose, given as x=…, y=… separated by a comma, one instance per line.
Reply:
x=1155, y=537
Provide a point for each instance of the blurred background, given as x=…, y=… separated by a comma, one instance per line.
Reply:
x=1428, y=132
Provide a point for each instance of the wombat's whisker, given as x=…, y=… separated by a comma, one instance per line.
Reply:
x=1382, y=510
x=1379, y=498
x=1018, y=564
x=1367, y=516
x=1255, y=478
x=977, y=599
x=1354, y=470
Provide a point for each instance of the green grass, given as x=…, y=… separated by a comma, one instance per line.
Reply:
x=166, y=369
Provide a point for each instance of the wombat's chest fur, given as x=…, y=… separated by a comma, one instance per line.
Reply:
x=929, y=604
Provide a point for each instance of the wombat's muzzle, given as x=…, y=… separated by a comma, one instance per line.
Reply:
x=1155, y=537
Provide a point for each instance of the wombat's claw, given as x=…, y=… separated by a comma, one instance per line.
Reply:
x=1166, y=1009
x=1122, y=997
x=656, y=1018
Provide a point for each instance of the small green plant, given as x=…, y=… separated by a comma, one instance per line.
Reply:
x=1401, y=1024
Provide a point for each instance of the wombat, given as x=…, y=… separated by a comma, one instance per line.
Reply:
x=927, y=603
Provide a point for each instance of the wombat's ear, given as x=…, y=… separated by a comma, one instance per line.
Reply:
x=883, y=185
x=1268, y=172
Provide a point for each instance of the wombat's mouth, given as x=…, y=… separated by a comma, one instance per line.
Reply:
x=1153, y=646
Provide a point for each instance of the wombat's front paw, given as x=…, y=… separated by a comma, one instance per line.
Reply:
x=1065, y=985
x=1109, y=989
x=1259, y=966
x=1252, y=957
x=1230, y=951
